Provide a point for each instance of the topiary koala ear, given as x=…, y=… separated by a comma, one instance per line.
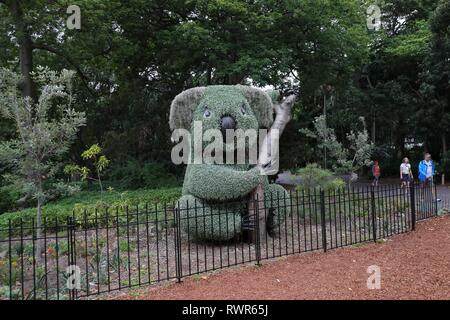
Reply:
x=183, y=107
x=261, y=104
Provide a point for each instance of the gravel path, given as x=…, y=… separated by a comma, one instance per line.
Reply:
x=415, y=265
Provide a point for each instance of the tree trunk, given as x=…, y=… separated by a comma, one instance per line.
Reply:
x=100, y=183
x=373, y=127
x=266, y=162
x=26, y=68
x=257, y=203
x=39, y=245
x=325, y=115
x=27, y=85
x=444, y=143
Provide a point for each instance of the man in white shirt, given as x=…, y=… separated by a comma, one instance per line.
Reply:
x=405, y=172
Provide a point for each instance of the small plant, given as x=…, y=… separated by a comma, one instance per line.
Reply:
x=7, y=293
x=98, y=160
x=196, y=277
x=62, y=247
x=124, y=246
x=25, y=249
x=9, y=275
x=39, y=287
x=115, y=262
x=134, y=292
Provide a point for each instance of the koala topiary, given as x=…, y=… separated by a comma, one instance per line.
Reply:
x=215, y=196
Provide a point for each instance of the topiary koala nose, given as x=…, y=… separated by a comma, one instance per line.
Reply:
x=227, y=122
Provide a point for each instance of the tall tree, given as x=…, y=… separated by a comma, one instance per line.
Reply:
x=45, y=129
x=436, y=76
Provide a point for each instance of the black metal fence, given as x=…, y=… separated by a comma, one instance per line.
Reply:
x=102, y=251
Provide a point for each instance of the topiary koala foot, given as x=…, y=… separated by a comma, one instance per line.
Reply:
x=209, y=221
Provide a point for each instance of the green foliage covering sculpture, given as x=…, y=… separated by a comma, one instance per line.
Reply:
x=215, y=196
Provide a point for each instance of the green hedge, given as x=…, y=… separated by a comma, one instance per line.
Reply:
x=90, y=202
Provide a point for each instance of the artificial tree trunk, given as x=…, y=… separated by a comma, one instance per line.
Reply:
x=268, y=164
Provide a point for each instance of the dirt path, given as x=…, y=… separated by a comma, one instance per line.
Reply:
x=413, y=266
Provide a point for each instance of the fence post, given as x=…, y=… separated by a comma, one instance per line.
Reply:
x=435, y=197
x=258, y=235
x=412, y=199
x=71, y=251
x=374, y=215
x=178, y=240
x=10, y=259
x=322, y=220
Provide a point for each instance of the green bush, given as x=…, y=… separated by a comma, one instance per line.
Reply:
x=444, y=167
x=134, y=174
x=10, y=195
x=313, y=177
x=92, y=203
x=8, y=198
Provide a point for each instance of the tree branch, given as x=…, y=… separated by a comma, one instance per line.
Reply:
x=84, y=78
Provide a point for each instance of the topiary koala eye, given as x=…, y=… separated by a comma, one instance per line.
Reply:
x=243, y=111
x=207, y=113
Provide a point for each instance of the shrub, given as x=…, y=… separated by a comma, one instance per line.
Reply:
x=62, y=189
x=444, y=167
x=313, y=177
x=8, y=198
x=335, y=184
x=90, y=202
x=134, y=174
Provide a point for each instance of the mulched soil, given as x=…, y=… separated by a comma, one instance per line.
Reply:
x=415, y=265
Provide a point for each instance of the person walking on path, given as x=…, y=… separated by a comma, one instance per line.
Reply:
x=376, y=173
x=427, y=172
x=406, y=175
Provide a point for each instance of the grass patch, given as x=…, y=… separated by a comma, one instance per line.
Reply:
x=196, y=277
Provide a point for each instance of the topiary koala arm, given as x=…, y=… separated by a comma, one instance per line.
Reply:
x=215, y=182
